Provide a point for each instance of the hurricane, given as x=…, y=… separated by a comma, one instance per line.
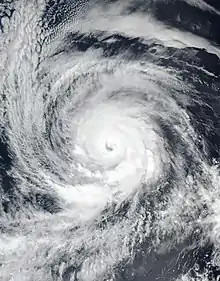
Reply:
x=109, y=140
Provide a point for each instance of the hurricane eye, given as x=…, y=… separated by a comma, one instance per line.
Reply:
x=110, y=147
